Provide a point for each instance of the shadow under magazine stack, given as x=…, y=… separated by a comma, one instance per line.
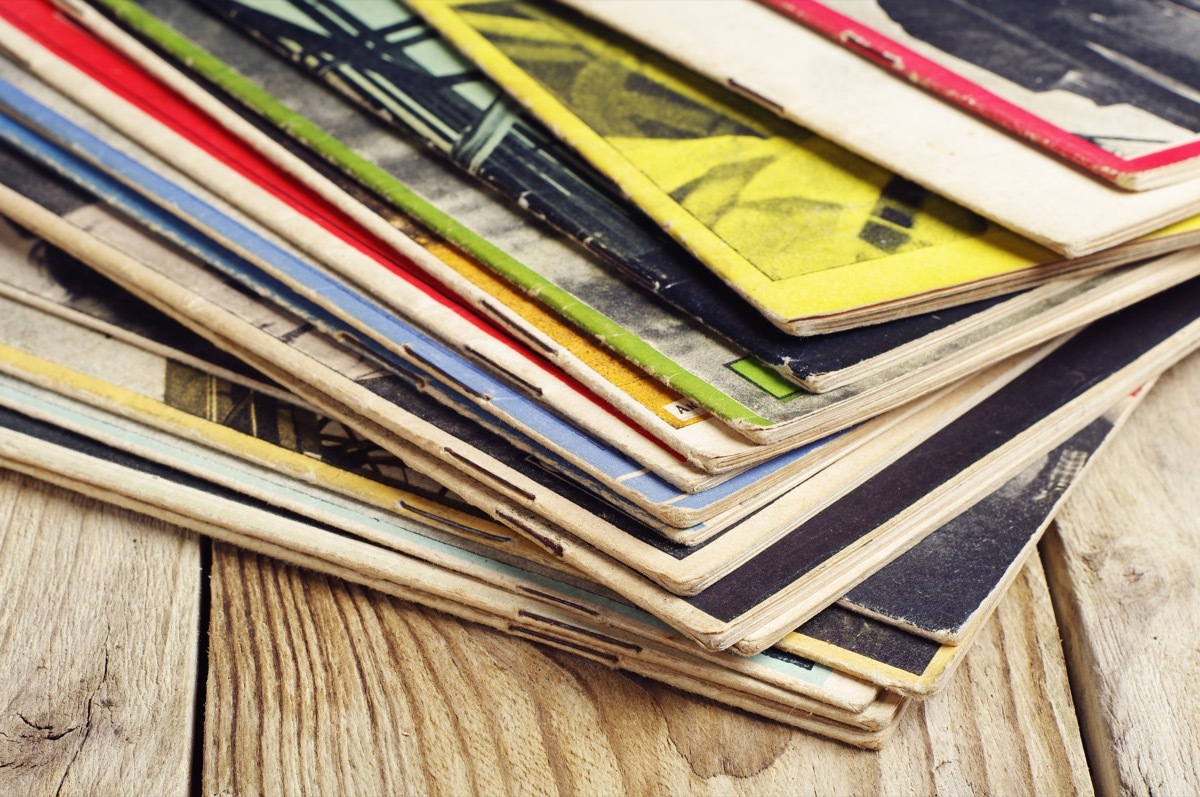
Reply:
x=681, y=386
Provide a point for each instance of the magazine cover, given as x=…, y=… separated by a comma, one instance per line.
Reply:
x=798, y=73
x=943, y=586
x=1113, y=87
x=751, y=196
x=738, y=372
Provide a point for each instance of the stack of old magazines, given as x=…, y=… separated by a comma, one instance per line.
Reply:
x=486, y=305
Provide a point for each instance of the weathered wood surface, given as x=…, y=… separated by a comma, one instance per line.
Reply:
x=1125, y=567
x=98, y=646
x=316, y=682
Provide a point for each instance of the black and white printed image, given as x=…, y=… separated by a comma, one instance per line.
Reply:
x=1122, y=74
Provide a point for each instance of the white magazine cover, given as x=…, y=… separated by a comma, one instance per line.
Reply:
x=1111, y=86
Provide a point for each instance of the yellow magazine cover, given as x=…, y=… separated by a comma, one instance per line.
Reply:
x=799, y=226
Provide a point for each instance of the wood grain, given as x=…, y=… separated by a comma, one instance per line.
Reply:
x=1124, y=564
x=321, y=686
x=98, y=646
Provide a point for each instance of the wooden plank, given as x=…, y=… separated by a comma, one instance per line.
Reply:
x=1124, y=565
x=98, y=646
x=315, y=682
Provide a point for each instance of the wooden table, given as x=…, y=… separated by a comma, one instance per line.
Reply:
x=138, y=658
